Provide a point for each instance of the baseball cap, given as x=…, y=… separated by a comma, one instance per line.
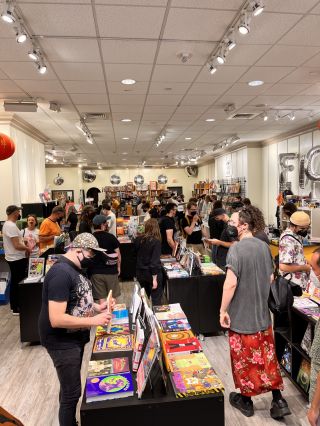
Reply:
x=99, y=219
x=219, y=212
x=86, y=241
x=12, y=209
x=300, y=219
x=156, y=203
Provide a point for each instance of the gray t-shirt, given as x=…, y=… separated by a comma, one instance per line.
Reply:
x=251, y=262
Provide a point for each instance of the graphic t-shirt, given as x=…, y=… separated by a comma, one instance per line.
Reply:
x=31, y=238
x=196, y=236
x=65, y=283
x=105, y=263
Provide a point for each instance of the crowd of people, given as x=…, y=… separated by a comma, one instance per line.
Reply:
x=239, y=246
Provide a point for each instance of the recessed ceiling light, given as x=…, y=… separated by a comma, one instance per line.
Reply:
x=124, y=153
x=254, y=83
x=188, y=139
x=210, y=119
x=125, y=139
x=126, y=120
x=124, y=159
x=128, y=81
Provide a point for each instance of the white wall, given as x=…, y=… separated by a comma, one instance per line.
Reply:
x=73, y=178
x=232, y=165
x=207, y=172
x=22, y=176
x=270, y=170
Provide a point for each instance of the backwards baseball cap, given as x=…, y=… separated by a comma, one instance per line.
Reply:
x=99, y=219
x=219, y=212
x=12, y=209
x=86, y=241
x=156, y=203
x=300, y=219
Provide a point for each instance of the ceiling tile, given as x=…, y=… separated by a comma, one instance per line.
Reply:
x=260, y=28
x=168, y=88
x=311, y=90
x=247, y=54
x=224, y=74
x=316, y=10
x=34, y=86
x=154, y=109
x=170, y=52
x=10, y=50
x=57, y=1
x=7, y=86
x=128, y=51
x=131, y=18
x=208, y=88
x=71, y=50
x=183, y=24
x=201, y=100
x=89, y=99
x=78, y=71
x=244, y=89
x=173, y=73
x=233, y=99
x=267, y=74
x=287, y=89
x=305, y=33
x=289, y=6
x=288, y=55
x=185, y=109
x=126, y=99
x=25, y=70
x=269, y=100
x=313, y=62
x=118, y=72
x=93, y=108
x=84, y=86
x=116, y=87
x=163, y=99
x=301, y=75
x=208, y=4
x=127, y=108
x=68, y=20
x=300, y=100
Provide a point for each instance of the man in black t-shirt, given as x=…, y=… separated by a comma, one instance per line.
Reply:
x=66, y=317
x=168, y=229
x=105, y=268
x=191, y=225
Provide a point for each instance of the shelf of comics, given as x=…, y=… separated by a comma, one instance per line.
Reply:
x=144, y=353
x=294, y=336
x=188, y=262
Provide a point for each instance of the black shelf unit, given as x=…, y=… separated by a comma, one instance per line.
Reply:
x=289, y=331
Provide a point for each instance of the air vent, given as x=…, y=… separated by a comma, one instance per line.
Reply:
x=96, y=116
x=244, y=116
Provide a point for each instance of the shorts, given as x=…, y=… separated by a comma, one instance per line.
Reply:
x=103, y=283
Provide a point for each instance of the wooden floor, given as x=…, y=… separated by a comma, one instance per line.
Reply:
x=29, y=387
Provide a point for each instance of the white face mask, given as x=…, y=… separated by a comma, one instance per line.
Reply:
x=314, y=279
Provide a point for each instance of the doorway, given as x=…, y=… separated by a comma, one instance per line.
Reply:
x=93, y=193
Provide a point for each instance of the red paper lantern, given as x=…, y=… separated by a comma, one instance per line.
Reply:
x=7, y=147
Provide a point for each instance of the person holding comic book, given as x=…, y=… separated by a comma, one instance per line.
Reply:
x=67, y=313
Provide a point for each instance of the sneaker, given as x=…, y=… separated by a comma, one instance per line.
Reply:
x=14, y=313
x=279, y=409
x=246, y=407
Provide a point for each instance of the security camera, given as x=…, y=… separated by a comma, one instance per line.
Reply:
x=184, y=57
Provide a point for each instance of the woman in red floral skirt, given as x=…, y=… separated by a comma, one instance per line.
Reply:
x=244, y=311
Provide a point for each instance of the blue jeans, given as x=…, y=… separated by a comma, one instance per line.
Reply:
x=68, y=362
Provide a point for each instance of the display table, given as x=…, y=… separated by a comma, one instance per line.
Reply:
x=128, y=261
x=200, y=298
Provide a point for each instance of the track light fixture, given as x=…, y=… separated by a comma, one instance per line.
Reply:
x=34, y=54
x=265, y=116
x=160, y=138
x=211, y=67
x=257, y=8
x=230, y=41
x=8, y=12
x=21, y=34
x=221, y=56
x=42, y=68
x=292, y=116
x=244, y=22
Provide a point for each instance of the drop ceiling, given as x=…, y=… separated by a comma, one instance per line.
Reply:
x=90, y=46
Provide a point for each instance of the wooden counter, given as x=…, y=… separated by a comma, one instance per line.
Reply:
x=308, y=250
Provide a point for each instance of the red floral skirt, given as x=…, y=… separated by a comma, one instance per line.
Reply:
x=254, y=363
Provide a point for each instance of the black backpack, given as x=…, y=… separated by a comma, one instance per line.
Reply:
x=281, y=294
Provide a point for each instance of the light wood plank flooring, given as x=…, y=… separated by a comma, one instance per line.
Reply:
x=29, y=387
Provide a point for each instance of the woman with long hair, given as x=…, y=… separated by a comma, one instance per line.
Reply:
x=148, y=251
x=244, y=311
x=85, y=223
x=72, y=218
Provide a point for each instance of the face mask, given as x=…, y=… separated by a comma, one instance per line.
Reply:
x=19, y=217
x=303, y=233
x=232, y=232
x=85, y=262
x=193, y=213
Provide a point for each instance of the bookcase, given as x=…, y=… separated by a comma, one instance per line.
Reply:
x=289, y=332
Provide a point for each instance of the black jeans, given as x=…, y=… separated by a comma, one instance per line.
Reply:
x=145, y=280
x=68, y=362
x=18, y=271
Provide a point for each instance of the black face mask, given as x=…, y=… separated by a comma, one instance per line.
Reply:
x=193, y=213
x=303, y=233
x=19, y=217
x=232, y=232
x=86, y=262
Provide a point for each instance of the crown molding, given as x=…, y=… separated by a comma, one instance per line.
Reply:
x=20, y=124
x=293, y=133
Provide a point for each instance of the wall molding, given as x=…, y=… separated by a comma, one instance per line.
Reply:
x=20, y=124
x=292, y=134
